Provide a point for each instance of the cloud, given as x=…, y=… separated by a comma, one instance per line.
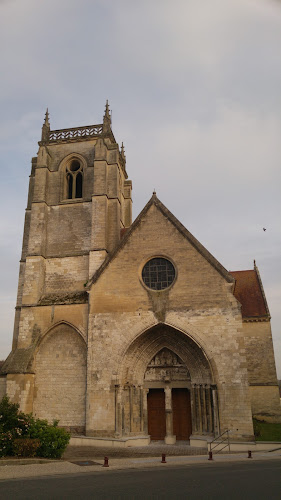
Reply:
x=195, y=92
x=210, y=48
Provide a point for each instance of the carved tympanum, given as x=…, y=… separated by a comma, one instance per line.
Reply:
x=166, y=365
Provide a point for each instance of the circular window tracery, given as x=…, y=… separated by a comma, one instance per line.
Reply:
x=75, y=165
x=158, y=273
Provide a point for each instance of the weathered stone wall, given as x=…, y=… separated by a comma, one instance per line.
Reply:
x=34, y=277
x=262, y=376
x=36, y=321
x=259, y=353
x=20, y=389
x=160, y=237
x=58, y=152
x=60, y=380
x=66, y=274
x=60, y=234
x=265, y=401
x=69, y=229
x=200, y=304
x=111, y=337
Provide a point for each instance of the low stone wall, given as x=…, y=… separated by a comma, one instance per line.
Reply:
x=109, y=442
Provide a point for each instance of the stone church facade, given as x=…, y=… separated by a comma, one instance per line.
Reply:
x=129, y=330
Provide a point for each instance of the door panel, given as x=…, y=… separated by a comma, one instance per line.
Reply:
x=181, y=413
x=156, y=414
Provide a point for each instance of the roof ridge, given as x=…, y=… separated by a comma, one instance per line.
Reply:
x=261, y=288
x=243, y=271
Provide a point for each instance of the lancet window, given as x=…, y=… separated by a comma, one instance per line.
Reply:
x=74, y=180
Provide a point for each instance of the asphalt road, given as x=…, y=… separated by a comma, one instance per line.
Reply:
x=244, y=480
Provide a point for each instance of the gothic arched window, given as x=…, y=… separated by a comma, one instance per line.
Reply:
x=74, y=180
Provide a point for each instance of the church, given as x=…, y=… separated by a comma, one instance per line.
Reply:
x=130, y=330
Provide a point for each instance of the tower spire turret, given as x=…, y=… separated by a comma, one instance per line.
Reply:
x=45, y=128
x=46, y=121
x=122, y=152
x=107, y=118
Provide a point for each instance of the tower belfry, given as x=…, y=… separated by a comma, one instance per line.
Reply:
x=79, y=202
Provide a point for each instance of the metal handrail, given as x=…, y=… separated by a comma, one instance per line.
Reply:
x=220, y=441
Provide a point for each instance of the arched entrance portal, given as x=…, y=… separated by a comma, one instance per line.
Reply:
x=168, y=398
x=166, y=388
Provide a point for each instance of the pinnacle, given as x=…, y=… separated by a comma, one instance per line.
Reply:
x=107, y=110
x=107, y=119
x=46, y=121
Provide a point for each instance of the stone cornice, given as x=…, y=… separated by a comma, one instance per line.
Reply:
x=257, y=319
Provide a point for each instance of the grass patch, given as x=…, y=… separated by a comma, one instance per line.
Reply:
x=264, y=431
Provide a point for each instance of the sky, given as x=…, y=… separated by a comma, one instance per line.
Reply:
x=194, y=89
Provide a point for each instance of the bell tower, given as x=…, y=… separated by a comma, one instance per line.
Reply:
x=79, y=201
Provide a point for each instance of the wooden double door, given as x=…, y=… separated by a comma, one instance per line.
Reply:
x=157, y=416
x=181, y=414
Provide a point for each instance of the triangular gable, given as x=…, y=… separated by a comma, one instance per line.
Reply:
x=196, y=244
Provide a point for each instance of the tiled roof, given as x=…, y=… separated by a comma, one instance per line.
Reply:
x=248, y=290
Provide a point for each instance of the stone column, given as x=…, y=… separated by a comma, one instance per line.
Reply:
x=169, y=438
x=118, y=410
x=126, y=416
x=216, y=413
x=199, y=408
x=204, y=410
x=131, y=388
x=209, y=409
x=193, y=409
x=144, y=424
x=202, y=404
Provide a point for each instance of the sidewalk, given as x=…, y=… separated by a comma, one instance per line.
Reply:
x=156, y=448
x=26, y=469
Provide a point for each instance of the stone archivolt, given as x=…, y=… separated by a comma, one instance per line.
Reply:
x=158, y=360
x=164, y=343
